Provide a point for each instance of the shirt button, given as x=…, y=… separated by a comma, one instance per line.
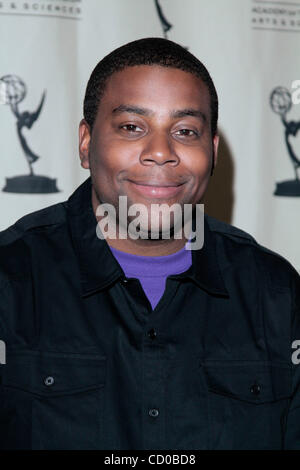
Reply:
x=124, y=280
x=152, y=333
x=49, y=381
x=255, y=389
x=153, y=413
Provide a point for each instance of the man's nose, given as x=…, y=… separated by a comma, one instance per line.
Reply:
x=159, y=150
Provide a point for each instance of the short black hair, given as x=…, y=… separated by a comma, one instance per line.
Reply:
x=147, y=51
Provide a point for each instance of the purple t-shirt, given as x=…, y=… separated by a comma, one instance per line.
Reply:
x=152, y=271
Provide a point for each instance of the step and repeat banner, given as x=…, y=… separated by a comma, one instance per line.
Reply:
x=48, y=49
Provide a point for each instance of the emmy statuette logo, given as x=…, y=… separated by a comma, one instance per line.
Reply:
x=281, y=103
x=12, y=91
x=166, y=26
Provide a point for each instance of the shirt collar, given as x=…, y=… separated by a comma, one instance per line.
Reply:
x=99, y=268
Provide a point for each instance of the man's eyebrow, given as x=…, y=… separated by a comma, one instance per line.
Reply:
x=124, y=108
x=189, y=112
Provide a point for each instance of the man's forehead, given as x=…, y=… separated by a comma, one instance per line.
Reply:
x=144, y=85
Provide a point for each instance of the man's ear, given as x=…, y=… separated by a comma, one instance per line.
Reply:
x=215, y=153
x=84, y=143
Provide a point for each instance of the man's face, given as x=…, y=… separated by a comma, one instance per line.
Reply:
x=151, y=139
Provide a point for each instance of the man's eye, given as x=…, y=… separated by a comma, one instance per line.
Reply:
x=186, y=133
x=131, y=128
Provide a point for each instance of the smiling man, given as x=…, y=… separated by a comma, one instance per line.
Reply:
x=135, y=341
x=151, y=142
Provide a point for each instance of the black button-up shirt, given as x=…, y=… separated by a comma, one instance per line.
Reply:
x=90, y=365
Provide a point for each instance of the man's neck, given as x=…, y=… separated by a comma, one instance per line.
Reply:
x=142, y=247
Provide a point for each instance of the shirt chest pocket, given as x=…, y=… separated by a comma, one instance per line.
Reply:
x=247, y=403
x=52, y=400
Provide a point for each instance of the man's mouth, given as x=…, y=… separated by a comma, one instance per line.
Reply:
x=157, y=189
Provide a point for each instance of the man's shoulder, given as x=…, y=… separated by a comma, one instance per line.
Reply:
x=229, y=230
x=48, y=217
x=18, y=241
x=241, y=247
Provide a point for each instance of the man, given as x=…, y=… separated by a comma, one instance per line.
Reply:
x=140, y=342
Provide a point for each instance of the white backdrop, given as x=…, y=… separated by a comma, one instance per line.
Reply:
x=250, y=47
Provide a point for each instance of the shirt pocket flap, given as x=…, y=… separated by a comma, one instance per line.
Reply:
x=253, y=382
x=53, y=374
